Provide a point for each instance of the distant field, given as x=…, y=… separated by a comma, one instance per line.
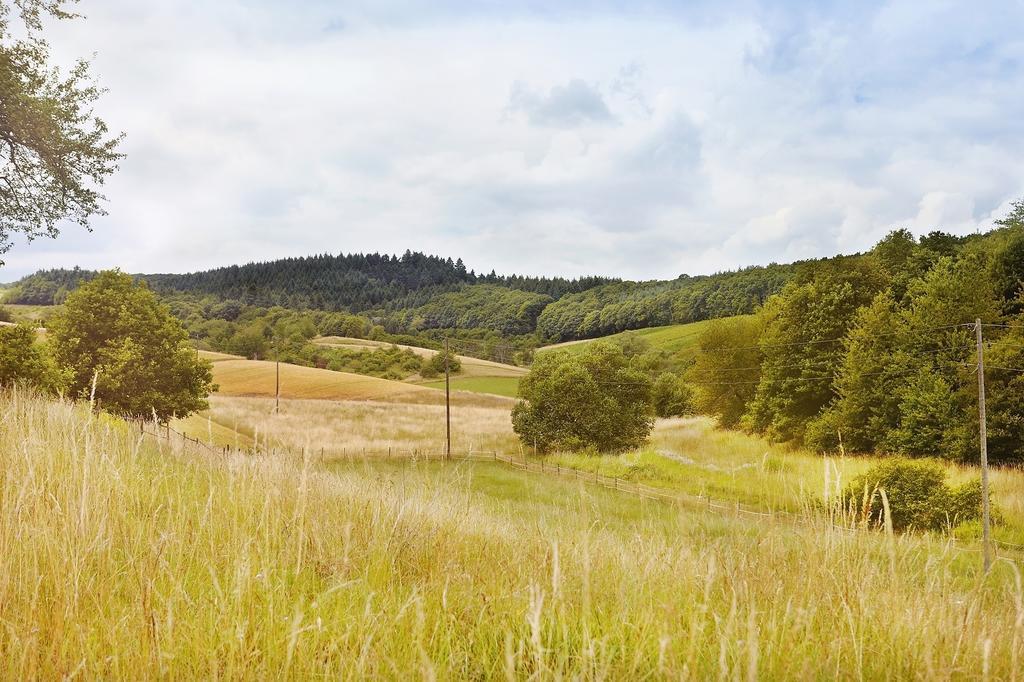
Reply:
x=506, y=386
x=676, y=338
x=33, y=314
x=471, y=367
x=237, y=376
x=338, y=427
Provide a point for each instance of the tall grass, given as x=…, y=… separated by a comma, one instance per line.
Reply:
x=122, y=557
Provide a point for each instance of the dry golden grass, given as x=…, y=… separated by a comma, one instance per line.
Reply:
x=342, y=428
x=124, y=558
x=258, y=378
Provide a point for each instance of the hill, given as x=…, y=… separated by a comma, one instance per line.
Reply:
x=676, y=339
x=239, y=377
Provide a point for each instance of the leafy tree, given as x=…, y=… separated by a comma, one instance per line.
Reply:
x=23, y=359
x=114, y=331
x=671, y=396
x=54, y=150
x=1004, y=387
x=727, y=368
x=802, y=345
x=591, y=400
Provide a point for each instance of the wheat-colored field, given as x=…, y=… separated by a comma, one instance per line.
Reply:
x=123, y=557
x=237, y=376
x=353, y=428
x=471, y=367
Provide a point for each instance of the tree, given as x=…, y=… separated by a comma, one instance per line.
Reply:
x=593, y=399
x=802, y=345
x=671, y=396
x=114, y=332
x=55, y=152
x=23, y=359
x=727, y=368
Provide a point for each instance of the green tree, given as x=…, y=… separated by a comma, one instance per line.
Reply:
x=590, y=400
x=114, y=331
x=55, y=152
x=672, y=397
x=727, y=368
x=802, y=345
x=24, y=359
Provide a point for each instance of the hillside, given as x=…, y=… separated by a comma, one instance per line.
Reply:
x=159, y=559
x=420, y=294
x=236, y=376
x=676, y=339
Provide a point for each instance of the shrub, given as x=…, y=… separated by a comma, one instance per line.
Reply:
x=918, y=496
x=434, y=365
x=6, y=315
x=589, y=400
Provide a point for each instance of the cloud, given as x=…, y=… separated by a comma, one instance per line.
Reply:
x=565, y=106
x=577, y=138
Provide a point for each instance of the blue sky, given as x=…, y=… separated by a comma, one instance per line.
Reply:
x=642, y=140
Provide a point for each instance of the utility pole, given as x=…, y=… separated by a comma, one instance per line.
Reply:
x=983, y=438
x=447, y=404
x=277, y=379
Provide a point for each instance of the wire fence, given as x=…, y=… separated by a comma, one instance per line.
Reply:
x=828, y=518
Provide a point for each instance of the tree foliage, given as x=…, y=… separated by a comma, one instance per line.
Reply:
x=114, y=332
x=591, y=400
x=24, y=360
x=55, y=151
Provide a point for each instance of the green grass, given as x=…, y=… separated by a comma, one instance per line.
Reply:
x=676, y=338
x=506, y=386
x=32, y=314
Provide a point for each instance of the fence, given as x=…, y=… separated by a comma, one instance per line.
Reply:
x=621, y=485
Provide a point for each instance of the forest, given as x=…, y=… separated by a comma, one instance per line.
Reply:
x=878, y=353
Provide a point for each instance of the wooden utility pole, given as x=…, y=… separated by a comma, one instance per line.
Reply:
x=983, y=439
x=447, y=404
x=277, y=381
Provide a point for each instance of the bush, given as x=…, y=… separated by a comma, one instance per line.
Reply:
x=918, y=495
x=434, y=365
x=589, y=400
x=6, y=315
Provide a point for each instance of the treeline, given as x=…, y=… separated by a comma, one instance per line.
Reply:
x=355, y=282
x=620, y=306
x=48, y=287
x=421, y=295
x=876, y=353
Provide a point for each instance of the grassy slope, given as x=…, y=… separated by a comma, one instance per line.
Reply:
x=676, y=338
x=125, y=559
x=506, y=386
x=475, y=376
x=33, y=314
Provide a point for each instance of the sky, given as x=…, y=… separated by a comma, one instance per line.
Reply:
x=634, y=139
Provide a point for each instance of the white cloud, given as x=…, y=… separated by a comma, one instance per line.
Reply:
x=575, y=140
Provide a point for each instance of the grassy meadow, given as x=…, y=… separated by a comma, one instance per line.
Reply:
x=124, y=556
x=674, y=339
